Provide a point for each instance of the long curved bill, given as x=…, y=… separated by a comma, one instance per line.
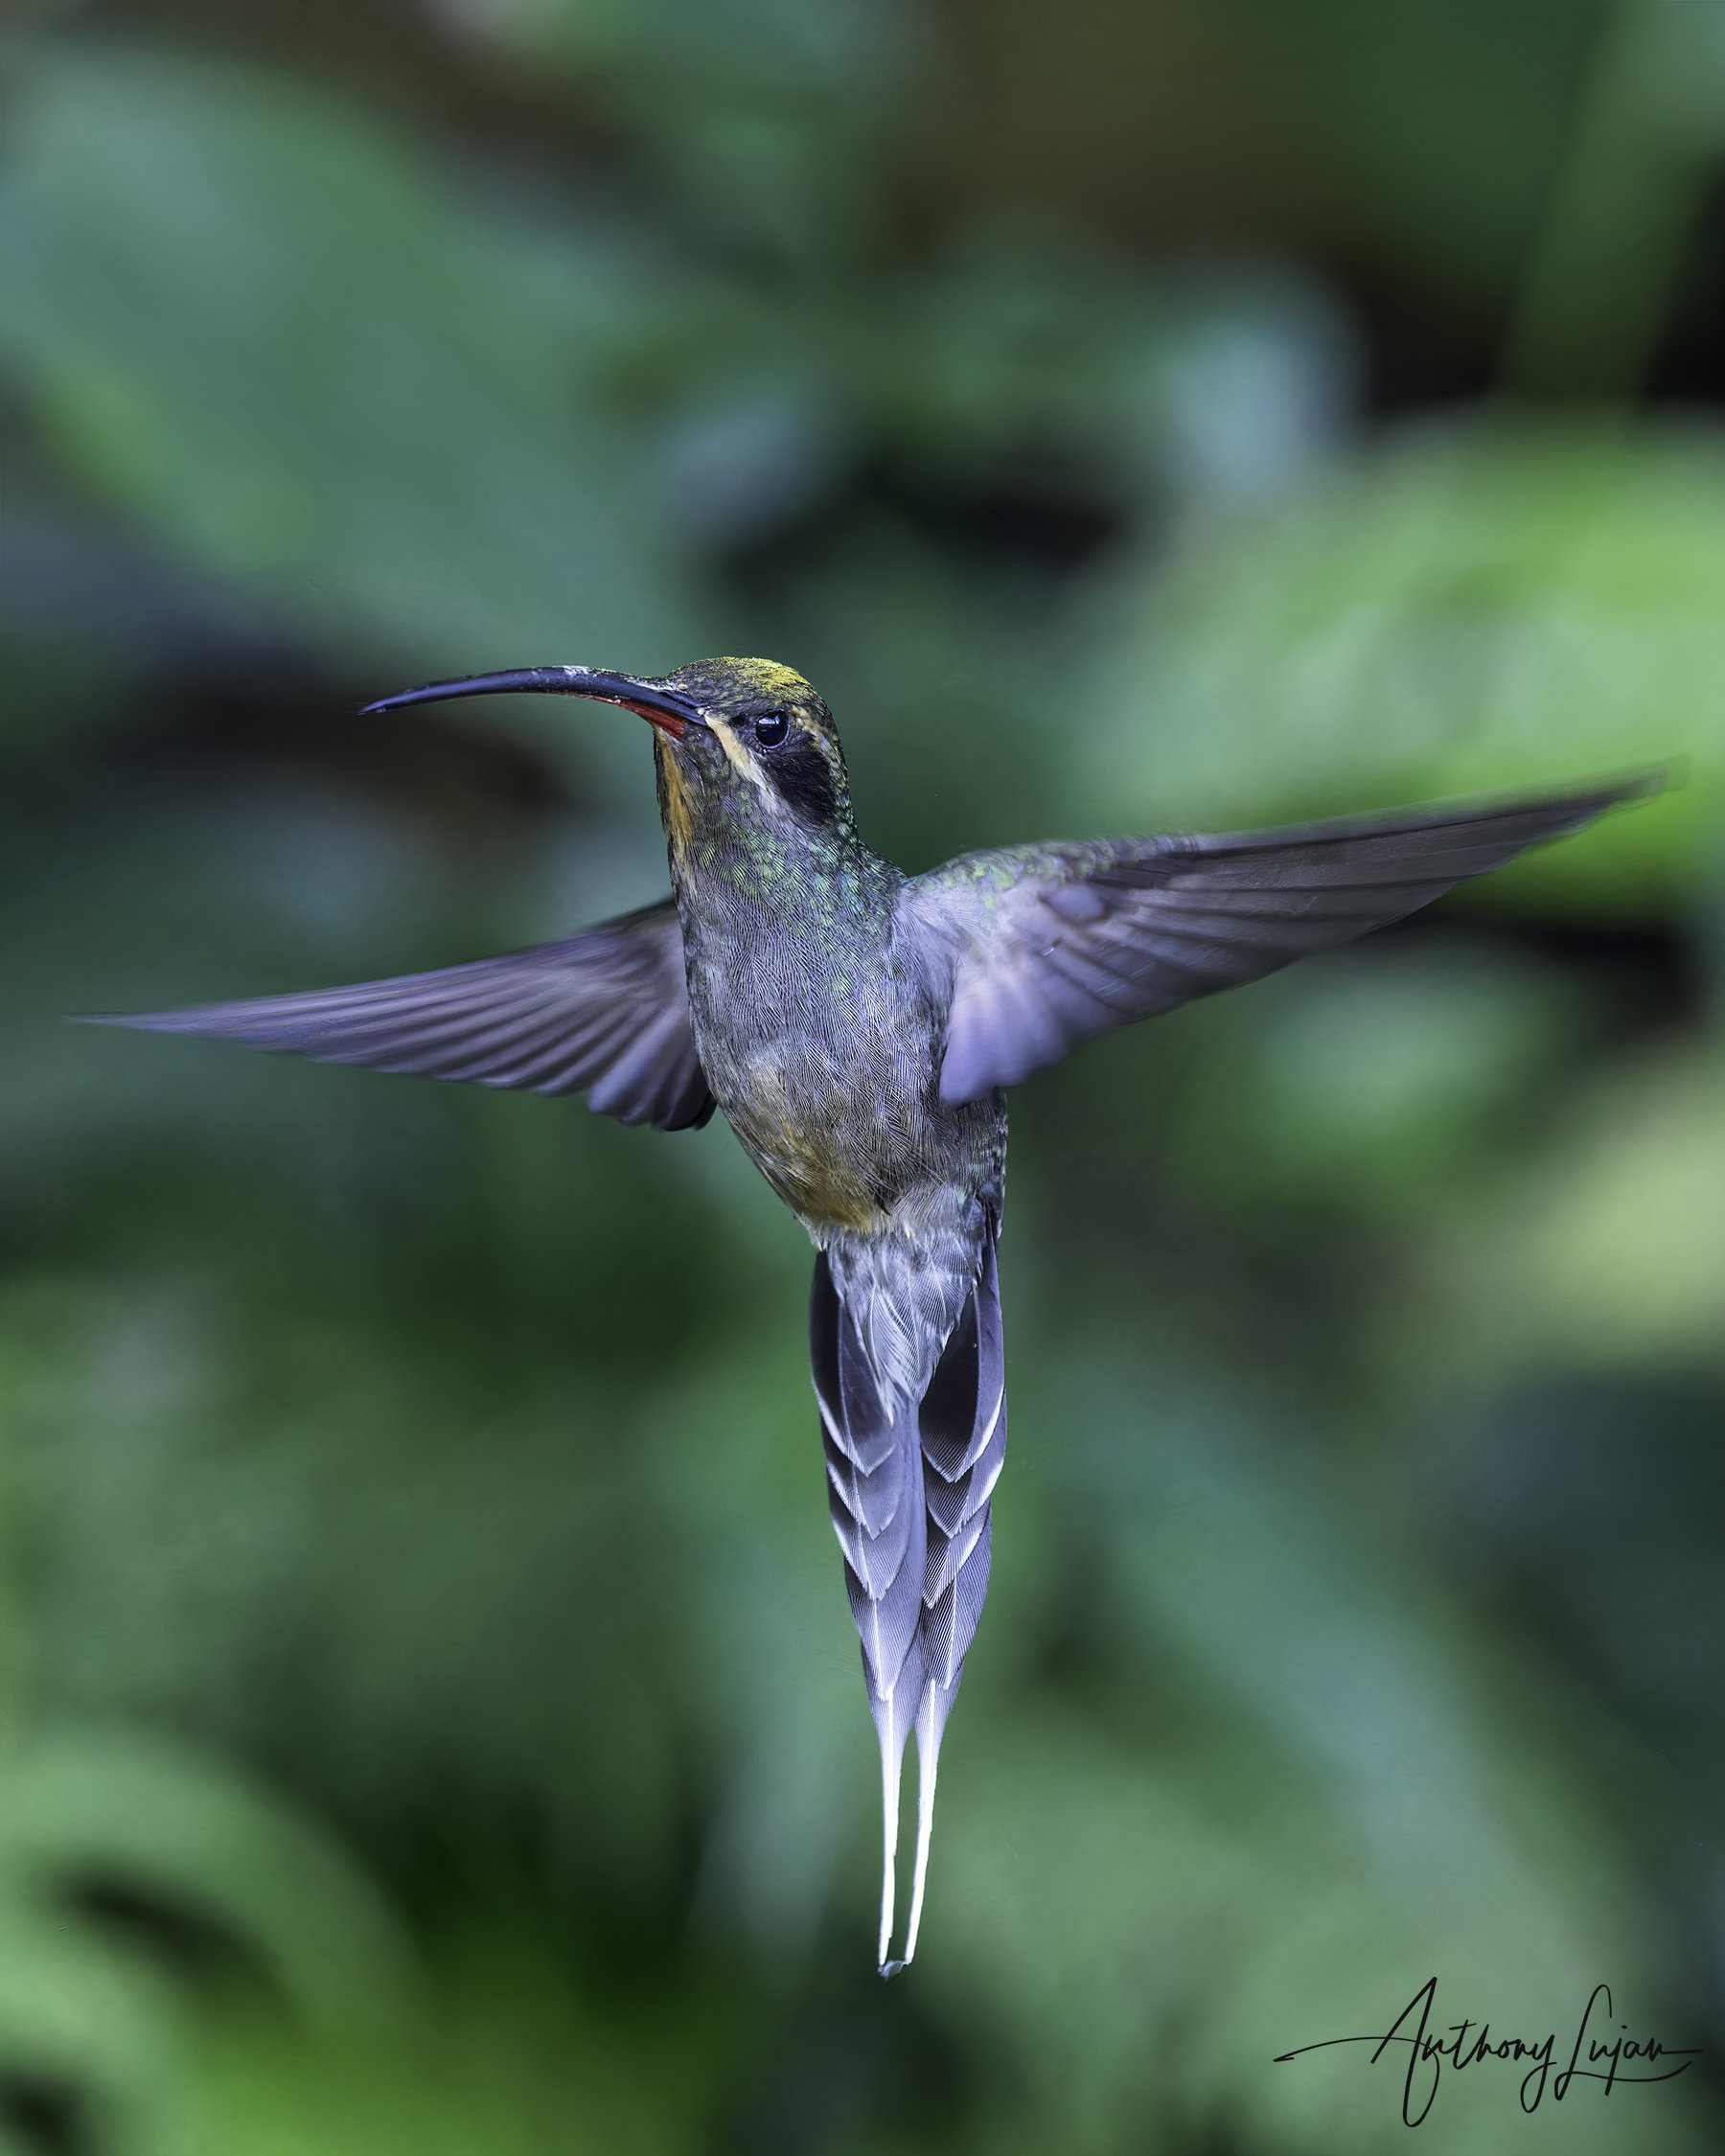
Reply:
x=659, y=706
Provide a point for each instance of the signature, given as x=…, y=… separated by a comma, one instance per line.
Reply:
x=1593, y=2056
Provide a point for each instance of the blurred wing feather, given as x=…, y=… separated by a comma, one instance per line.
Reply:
x=1053, y=945
x=605, y=1013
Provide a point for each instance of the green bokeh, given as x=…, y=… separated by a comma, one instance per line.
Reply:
x=429, y=1711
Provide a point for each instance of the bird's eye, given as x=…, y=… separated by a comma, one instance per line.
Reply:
x=770, y=731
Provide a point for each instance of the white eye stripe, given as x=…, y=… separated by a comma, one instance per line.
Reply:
x=739, y=756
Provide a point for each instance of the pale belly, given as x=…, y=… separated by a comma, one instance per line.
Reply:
x=841, y=1144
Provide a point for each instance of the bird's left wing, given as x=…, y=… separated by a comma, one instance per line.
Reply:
x=605, y=1014
x=1053, y=945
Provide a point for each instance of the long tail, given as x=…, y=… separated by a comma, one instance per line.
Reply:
x=908, y=1487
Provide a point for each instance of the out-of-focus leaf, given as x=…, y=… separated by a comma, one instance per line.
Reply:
x=110, y=1819
x=1035, y=353
x=274, y=335
x=730, y=48
x=1456, y=611
x=1370, y=1078
x=137, y=1812
x=514, y=2056
x=79, y=2014
x=1367, y=1821
x=1607, y=1246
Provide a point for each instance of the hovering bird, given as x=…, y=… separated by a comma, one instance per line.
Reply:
x=859, y=1027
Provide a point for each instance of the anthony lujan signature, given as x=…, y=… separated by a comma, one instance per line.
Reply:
x=1595, y=2054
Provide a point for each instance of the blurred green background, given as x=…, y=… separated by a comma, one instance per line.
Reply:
x=429, y=1714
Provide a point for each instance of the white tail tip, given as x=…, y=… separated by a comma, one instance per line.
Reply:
x=929, y=1726
x=892, y=1756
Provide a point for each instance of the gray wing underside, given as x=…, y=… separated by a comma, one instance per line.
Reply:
x=1055, y=944
x=603, y=1013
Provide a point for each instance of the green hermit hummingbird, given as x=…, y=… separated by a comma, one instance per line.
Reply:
x=859, y=1027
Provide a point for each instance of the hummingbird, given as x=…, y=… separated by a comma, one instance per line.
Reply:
x=859, y=1027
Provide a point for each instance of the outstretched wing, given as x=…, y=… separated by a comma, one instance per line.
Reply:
x=605, y=1014
x=1053, y=945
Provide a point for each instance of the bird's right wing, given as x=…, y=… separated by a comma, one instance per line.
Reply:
x=605, y=1013
x=1053, y=945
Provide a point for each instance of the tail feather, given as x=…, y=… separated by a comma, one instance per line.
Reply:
x=909, y=1489
x=931, y=1725
x=892, y=1720
x=950, y=1620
